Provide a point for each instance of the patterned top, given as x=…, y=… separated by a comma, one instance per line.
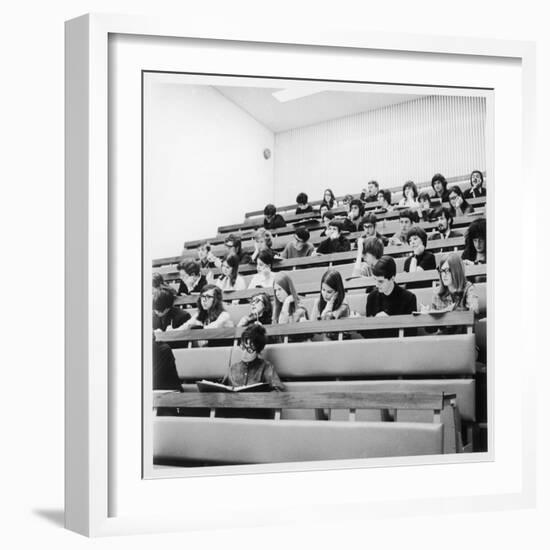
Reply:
x=458, y=301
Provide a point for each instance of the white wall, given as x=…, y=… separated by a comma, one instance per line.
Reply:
x=412, y=140
x=202, y=154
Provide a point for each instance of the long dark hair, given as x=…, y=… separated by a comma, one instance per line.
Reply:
x=476, y=230
x=210, y=315
x=233, y=262
x=456, y=189
x=265, y=318
x=332, y=278
x=330, y=204
x=285, y=282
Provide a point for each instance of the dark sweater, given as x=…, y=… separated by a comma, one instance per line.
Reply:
x=175, y=317
x=426, y=261
x=197, y=288
x=305, y=210
x=399, y=302
x=275, y=222
x=330, y=246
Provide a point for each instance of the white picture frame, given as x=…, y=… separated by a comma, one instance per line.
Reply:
x=92, y=443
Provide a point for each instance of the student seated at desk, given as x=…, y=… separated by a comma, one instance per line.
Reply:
x=298, y=247
x=211, y=312
x=253, y=368
x=370, y=194
x=388, y=298
x=261, y=311
x=335, y=242
x=425, y=209
x=328, y=199
x=410, y=194
x=206, y=264
x=287, y=306
x=272, y=220
x=165, y=315
x=444, y=219
x=302, y=205
x=263, y=240
x=420, y=259
x=192, y=280
x=369, y=251
x=230, y=278
x=475, y=249
x=384, y=198
x=459, y=205
x=455, y=292
x=158, y=283
x=331, y=303
x=264, y=276
x=326, y=218
x=233, y=245
x=406, y=220
x=354, y=221
x=369, y=223
x=476, y=186
x=439, y=186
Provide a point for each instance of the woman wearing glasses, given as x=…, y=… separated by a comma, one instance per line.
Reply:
x=260, y=311
x=211, y=312
x=253, y=368
x=454, y=292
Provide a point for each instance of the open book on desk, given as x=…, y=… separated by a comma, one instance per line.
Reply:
x=208, y=386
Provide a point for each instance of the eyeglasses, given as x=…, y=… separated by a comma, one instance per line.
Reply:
x=207, y=296
x=247, y=347
x=444, y=270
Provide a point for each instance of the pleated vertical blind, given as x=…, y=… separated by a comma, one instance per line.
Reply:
x=412, y=140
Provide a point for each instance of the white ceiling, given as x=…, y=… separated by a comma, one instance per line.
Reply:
x=312, y=108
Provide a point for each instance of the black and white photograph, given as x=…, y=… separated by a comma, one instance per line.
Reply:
x=318, y=253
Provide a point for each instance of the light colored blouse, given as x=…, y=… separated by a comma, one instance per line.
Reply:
x=259, y=280
x=225, y=284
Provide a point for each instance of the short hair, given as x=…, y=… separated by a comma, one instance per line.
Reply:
x=370, y=218
x=373, y=182
x=336, y=223
x=158, y=280
x=412, y=185
x=255, y=336
x=408, y=213
x=359, y=204
x=234, y=240
x=441, y=178
x=270, y=210
x=162, y=299
x=374, y=246
x=480, y=175
x=386, y=193
x=303, y=234
x=191, y=267
x=385, y=267
x=301, y=198
x=264, y=234
x=417, y=231
x=348, y=198
x=328, y=214
x=424, y=196
x=266, y=256
x=439, y=211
